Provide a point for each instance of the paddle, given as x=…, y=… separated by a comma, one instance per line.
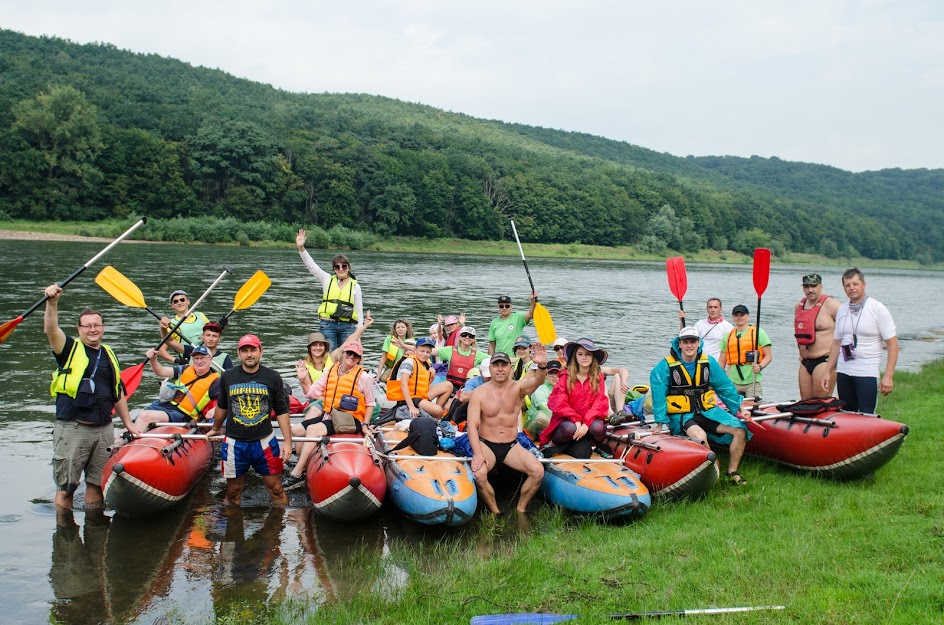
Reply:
x=761, y=278
x=678, y=280
x=131, y=377
x=7, y=328
x=124, y=290
x=543, y=617
x=542, y=317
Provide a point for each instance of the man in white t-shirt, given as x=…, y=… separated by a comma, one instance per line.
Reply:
x=711, y=330
x=862, y=324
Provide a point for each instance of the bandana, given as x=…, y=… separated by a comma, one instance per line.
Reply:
x=855, y=309
x=720, y=319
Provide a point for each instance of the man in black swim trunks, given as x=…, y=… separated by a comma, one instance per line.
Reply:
x=814, y=323
x=494, y=416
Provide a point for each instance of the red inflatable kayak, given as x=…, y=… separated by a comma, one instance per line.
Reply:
x=672, y=467
x=345, y=478
x=148, y=475
x=837, y=444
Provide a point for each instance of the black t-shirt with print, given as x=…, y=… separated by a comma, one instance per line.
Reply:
x=248, y=399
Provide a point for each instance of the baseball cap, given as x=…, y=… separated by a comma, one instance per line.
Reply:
x=451, y=319
x=426, y=341
x=522, y=341
x=353, y=346
x=200, y=350
x=249, y=339
x=559, y=342
x=688, y=332
x=499, y=357
x=740, y=308
x=177, y=292
x=213, y=327
x=504, y=299
x=812, y=279
x=554, y=365
x=484, y=367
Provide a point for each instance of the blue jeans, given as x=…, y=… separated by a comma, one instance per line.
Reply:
x=860, y=394
x=337, y=331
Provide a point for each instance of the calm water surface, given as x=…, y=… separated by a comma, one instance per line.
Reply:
x=200, y=560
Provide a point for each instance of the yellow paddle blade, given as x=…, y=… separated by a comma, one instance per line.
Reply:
x=544, y=324
x=252, y=290
x=120, y=287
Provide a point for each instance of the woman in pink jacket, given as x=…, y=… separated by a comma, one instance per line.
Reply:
x=579, y=404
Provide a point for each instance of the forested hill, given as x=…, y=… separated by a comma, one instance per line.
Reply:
x=90, y=131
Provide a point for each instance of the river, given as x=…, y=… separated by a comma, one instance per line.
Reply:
x=202, y=561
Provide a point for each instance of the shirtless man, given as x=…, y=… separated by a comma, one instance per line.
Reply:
x=494, y=411
x=815, y=311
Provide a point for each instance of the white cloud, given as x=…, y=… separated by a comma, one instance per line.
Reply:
x=853, y=84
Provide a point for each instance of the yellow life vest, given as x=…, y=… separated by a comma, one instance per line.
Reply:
x=66, y=379
x=313, y=373
x=685, y=395
x=419, y=382
x=334, y=296
x=337, y=385
x=192, y=328
x=193, y=393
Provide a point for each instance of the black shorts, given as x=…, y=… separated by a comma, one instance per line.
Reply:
x=702, y=421
x=811, y=363
x=499, y=449
x=329, y=425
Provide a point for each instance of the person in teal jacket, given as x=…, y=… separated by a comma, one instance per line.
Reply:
x=687, y=386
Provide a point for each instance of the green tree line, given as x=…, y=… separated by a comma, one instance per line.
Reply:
x=90, y=131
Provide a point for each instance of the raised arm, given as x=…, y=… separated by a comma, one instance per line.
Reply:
x=57, y=338
x=159, y=370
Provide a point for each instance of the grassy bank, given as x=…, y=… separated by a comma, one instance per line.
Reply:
x=864, y=552
x=264, y=234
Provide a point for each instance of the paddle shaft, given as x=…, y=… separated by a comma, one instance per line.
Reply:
x=180, y=321
x=78, y=272
x=544, y=617
x=521, y=250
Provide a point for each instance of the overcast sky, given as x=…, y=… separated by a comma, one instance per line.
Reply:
x=858, y=85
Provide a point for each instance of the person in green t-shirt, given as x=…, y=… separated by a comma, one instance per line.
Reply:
x=745, y=352
x=504, y=329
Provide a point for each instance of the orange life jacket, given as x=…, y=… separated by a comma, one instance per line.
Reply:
x=739, y=346
x=193, y=393
x=337, y=385
x=419, y=382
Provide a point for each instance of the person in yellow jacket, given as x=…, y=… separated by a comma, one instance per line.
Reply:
x=87, y=387
x=341, y=309
x=191, y=329
x=195, y=386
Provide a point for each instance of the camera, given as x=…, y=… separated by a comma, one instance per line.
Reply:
x=750, y=357
x=848, y=352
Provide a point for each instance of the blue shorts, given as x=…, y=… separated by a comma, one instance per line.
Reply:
x=262, y=455
x=172, y=412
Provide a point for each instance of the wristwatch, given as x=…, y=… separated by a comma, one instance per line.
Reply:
x=542, y=368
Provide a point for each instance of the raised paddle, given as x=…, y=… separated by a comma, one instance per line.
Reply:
x=131, y=377
x=761, y=278
x=250, y=292
x=678, y=280
x=542, y=317
x=541, y=618
x=7, y=328
x=124, y=290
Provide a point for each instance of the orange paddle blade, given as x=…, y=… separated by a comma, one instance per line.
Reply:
x=7, y=328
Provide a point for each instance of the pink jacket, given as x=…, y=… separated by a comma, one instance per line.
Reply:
x=579, y=406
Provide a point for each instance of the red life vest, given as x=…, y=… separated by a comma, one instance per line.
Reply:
x=459, y=366
x=804, y=321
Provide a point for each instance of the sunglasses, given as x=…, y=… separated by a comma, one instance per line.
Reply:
x=178, y=300
x=341, y=266
x=352, y=354
x=466, y=335
x=504, y=305
x=558, y=348
x=91, y=326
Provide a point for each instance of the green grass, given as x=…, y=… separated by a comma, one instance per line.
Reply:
x=863, y=552
x=192, y=231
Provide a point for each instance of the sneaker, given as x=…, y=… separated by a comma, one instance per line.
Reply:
x=292, y=482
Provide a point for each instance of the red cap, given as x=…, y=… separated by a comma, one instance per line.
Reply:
x=249, y=339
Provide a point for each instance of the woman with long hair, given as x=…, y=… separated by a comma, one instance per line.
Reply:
x=579, y=403
x=393, y=347
x=315, y=362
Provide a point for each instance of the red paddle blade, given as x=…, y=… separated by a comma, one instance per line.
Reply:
x=7, y=328
x=131, y=377
x=761, y=270
x=678, y=279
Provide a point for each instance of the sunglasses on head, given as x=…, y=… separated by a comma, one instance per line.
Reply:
x=341, y=266
x=179, y=300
